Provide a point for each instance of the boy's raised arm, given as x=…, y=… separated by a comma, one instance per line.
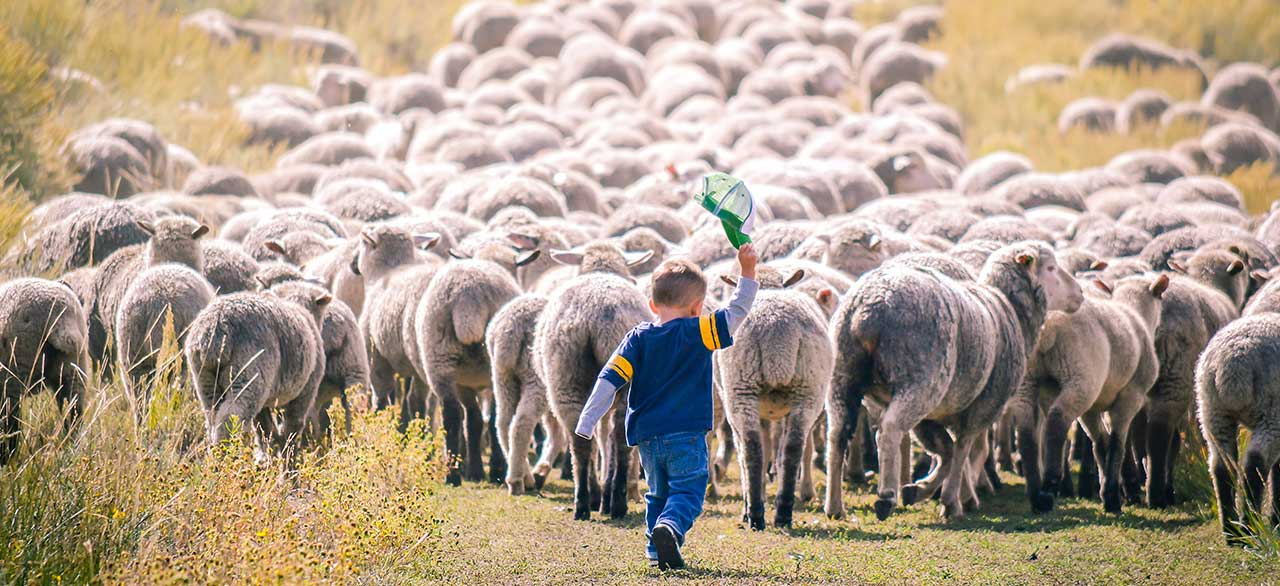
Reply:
x=744, y=295
x=598, y=404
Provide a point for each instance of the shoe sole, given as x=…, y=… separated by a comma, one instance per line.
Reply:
x=664, y=541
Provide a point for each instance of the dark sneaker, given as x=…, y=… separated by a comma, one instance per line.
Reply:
x=664, y=540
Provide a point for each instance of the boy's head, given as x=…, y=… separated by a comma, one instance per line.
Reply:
x=679, y=289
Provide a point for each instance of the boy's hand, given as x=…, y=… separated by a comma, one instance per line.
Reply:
x=747, y=261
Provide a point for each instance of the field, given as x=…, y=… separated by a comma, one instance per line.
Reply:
x=129, y=500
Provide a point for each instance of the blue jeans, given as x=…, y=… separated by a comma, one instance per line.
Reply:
x=675, y=466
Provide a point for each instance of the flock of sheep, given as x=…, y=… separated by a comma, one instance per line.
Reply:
x=475, y=240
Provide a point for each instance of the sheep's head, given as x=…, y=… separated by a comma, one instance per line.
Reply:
x=648, y=239
x=1030, y=269
x=854, y=248
x=602, y=256
x=1141, y=293
x=500, y=252
x=1220, y=269
x=311, y=297
x=300, y=247
x=383, y=247
x=175, y=239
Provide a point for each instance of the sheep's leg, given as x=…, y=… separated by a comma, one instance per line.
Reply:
x=904, y=412
x=1131, y=472
x=1223, y=447
x=1111, y=461
x=451, y=416
x=633, y=477
x=973, y=473
x=743, y=478
x=581, y=450
x=938, y=442
x=9, y=427
x=713, y=474
x=414, y=404
x=842, y=418
x=519, y=425
x=506, y=403
x=619, y=466
x=807, y=492
x=991, y=468
x=382, y=377
x=754, y=452
x=1259, y=456
x=1088, y=486
x=602, y=500
x=474, y=465
x=768, y=450
x=497, y=458
x=1160, y=440
x=792, y=438
x=956, y=471
x=855, y=455
x=293, y=422
x=978, y=466
x=1056, y=427
x=724, y=451
x=1025, y=420
x=1004, y=442
x=1275, y=494
x=552, y=448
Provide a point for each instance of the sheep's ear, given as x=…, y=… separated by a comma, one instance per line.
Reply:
x=1235, y=267
x=427, y=240
x=524, y=241
x=369, y=239
x=355, y=265
x=527, y=256
x=458, y=254
x=1177, y=267
x=1100, y=284
x=1236, y=250
x=730, y=281
x=873, y=242
x=567, y=257
x=274, y=246
x=671, y=170
x=1025, y=259
x=1098, y=265
x=323, y=300
x=261, y=281
x=1160, y=286
x=826, y=297
x=1260, y=276
x=635, y=258
x=147, y=227
x=198, y=232
x=793, y=279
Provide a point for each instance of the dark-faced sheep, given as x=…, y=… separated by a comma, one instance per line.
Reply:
x=947, y=356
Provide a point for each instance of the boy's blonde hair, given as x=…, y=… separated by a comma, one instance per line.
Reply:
x=678, y=282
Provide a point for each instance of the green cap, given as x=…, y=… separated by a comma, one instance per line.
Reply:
x=727, y=197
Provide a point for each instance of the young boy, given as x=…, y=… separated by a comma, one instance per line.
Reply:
x=668, y=363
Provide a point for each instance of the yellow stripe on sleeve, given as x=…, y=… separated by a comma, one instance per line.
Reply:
x=618, y=370
x=715, y=331
x=623, y=366
x=704, y=326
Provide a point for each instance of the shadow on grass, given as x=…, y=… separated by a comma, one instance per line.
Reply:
x=696, y=573
x=1009, y=512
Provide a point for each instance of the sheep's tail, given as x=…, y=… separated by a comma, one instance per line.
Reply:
x=470, y=317
x=855, y=343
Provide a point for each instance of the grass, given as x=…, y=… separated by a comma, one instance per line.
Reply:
x=120, y=499
x=491, y=537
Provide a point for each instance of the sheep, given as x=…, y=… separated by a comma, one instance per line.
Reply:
x=86, y=236
x=395, y=95
x=519, y=395
x=173, y=240
x=856, y=246
x=1194, y=309
x=1235, y=386
x=159, y=296
x=485, y=25
x=1038, y=74
x=277, y=224
x=1125, y=51
x=894, y=63
x=1245, y=87
x=397, y=275
x=1201, y=188
x=1141, y=107
x=1092, y=114
x=1151, y=166
x=985, y=173
x=451, y=318
x=1099, y=360
x=43, y=341
x=251, y=353
x=574, y=337
x=109, y=166
x=1030, y=190
x=330, y=148
x=346, y=361
x=776, y=371
x=143, y=137
x=957, y=372
x=1232, y=145
x=228, y=268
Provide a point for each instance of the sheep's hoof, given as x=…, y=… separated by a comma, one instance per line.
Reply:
x=1042, y=502
x=971, y=505
x=538, y=481
x=952, y=512
x=1111, y=501
x=757, y=522
x=515, y=487
x=884, y=508
x=835, y=513
x=454, y=478
x=619, y=509
x=581, y=514
x=911, y=494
